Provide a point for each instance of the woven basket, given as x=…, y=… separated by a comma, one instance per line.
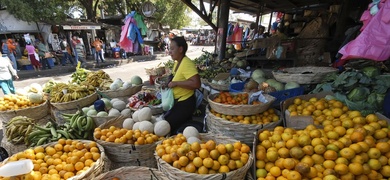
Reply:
x=12, y=148
x=224, y=87
x=174, y=173
x=245, y=53
x=133, y=172
x=40, y=122
x=36, y=112
x=136, y=155
x=236, y=130
x=85, y=101
x=93, y=171
x=101, y=120
x=244, y=109
x=304, y=75
x=123, y=93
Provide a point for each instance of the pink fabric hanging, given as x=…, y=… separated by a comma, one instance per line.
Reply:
x=125, y=43
x=374, y=41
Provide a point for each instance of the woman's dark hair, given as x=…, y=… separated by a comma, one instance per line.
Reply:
x=180, y=42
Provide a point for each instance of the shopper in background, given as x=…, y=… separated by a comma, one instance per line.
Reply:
x=98, y=44
x=41, y=52
x=75, y=39
x=9, y=49
x=81, y=53
x=66, y=55
x=184, y=83
x=6, y=74
x=31, y=54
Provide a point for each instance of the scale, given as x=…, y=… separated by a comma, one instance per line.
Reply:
x=148, y=9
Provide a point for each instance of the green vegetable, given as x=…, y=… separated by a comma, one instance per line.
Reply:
x=291, y=85
x=358, y=94
x=371, y=71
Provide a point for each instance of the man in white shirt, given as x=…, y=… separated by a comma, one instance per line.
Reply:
x=64, y=48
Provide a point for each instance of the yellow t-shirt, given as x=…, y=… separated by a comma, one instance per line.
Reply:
x=185, y=71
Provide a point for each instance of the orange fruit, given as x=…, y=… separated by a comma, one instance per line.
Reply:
x=355, y=168
x=275, y=171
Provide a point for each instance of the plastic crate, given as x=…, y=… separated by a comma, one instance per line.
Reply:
x=285, y=94
x=236, y=87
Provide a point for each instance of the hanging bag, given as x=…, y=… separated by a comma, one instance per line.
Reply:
x=167, y=99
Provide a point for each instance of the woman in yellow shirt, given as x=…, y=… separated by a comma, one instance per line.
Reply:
x=184, y=83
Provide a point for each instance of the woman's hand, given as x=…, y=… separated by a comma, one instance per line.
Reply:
x=16, y=77
x=172, y=84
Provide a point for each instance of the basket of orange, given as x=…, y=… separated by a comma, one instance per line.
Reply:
x=241, y=127
x=209, y=157
x=238, y=103
x=64, y=159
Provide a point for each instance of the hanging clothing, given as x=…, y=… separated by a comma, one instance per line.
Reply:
x=131, y=36
x=373, y=42
x=141, y=24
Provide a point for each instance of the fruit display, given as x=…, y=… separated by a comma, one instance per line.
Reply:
x=261, y=118
x=26, y=97
x=234, y=99
x=143, y=98
x=105, y=107
x=62, y=160
x=80, y=75
x=196, y=156
x=350, y=146
x=124, y=136
x=98, y=79
x=18, y=129
x=118, y=84
x=76, y=126
x=322, y=111
x=63, y=92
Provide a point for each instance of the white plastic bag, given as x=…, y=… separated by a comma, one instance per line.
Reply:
x=257, y=96
x=167, y=99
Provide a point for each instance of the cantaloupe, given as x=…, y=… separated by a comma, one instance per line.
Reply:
x=128, y=123
x=102, y=114
x=162, y=128
x=119, y=105
x=145, y=114
x=191, y=140
x=126, y=112
x=135, y=116
x=35, y=98
x=85, y=110
x=114, y=112
x=107, y=103
x=191, y=131
x=114, y=99
x=146, y=126
x=136, y=125
x=92, y=112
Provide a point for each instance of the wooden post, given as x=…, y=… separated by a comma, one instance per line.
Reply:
x=342, y=18
x=223, y=8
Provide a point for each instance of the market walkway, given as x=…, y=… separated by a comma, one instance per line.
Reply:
x=91, y=65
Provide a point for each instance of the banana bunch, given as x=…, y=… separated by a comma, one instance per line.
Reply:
x=210, y=72
x=98, y=79
x=62, y=92
x=77, y=126
x=79, y=76
x=48, y=86
x=17, y=129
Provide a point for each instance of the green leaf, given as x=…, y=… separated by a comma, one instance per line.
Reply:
x=340, y=97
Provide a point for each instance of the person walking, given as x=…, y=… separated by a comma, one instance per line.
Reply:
x=66, y=55
x=10, y=49
x=31, y=54
x=42, y=50
x=75, y=39
x=81, y=53
x=98, y=44
x=6, y=74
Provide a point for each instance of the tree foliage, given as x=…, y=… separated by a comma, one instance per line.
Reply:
x=49, y=11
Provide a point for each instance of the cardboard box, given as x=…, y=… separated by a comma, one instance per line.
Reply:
x=299, y=122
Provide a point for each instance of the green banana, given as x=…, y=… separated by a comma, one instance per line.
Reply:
x=79, y=122
x=89, y=125
x=43, y=128
x=53, y=132
x=63, y=133
x=42, y=141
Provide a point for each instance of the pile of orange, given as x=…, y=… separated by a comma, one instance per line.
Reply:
x=261, y=118
x=234, y=99
x=15, y=102
x=65, y=159
x=203, y=158
x=125, y=136
x=347, y=147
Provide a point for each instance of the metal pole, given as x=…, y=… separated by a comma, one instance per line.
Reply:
x=222, y=27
